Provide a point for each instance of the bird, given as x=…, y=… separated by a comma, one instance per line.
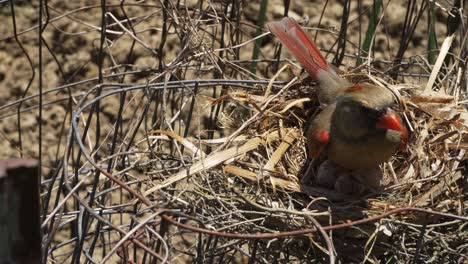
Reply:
x=357, y=129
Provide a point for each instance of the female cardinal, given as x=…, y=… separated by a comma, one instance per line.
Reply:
x=357, y=129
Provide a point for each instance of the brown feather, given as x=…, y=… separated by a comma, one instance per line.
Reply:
x=346, y=128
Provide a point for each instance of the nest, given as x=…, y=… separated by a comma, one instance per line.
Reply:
x=249, y=184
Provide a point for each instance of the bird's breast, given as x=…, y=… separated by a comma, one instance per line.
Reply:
x=366, y=152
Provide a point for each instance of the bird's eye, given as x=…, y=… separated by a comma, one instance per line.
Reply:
x=371, y=113
x=365, y=109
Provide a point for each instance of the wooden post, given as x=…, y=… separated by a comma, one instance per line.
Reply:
x=20, y=237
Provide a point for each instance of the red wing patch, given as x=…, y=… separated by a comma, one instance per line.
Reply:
x=321, y=138
x=355, y=88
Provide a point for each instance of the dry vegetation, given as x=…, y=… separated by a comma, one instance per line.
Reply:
x=163, y=138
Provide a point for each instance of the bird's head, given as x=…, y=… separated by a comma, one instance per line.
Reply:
x=360, y=113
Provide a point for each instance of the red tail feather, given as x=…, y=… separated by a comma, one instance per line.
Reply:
x=301, y=45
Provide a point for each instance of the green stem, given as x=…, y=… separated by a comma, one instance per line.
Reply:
x=432, y=41
x=258, y=42
x=373, y=19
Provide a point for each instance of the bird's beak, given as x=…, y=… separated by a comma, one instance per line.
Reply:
x=389, y=120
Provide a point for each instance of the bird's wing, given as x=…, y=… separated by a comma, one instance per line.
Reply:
x=318, y=134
